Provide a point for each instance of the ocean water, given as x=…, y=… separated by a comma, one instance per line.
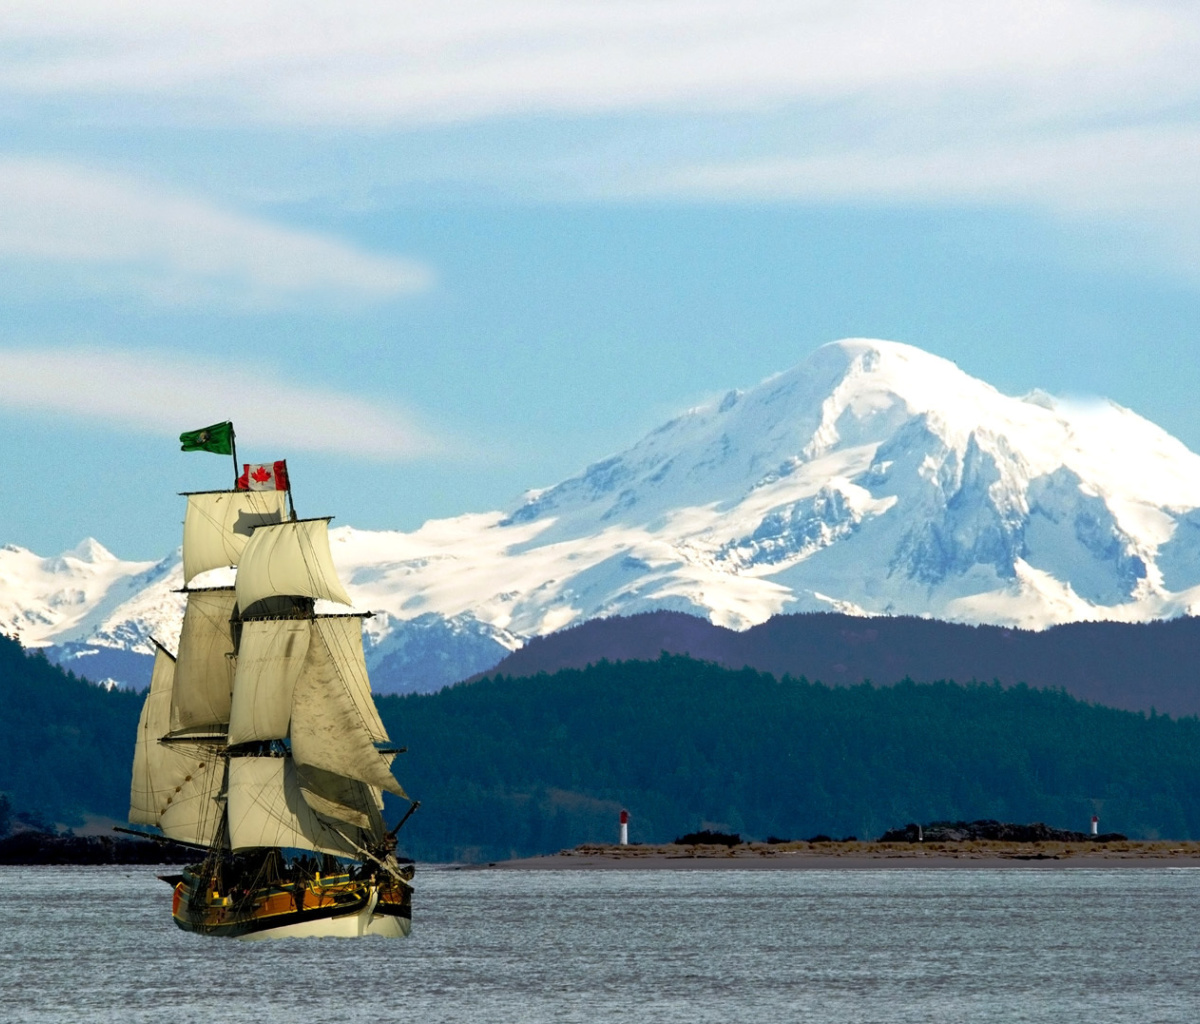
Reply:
x=1008, y=945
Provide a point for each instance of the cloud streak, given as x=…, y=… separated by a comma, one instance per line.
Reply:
x=114, y=233
x=1085, y=171
x=380, y=63
x=1084, y=108
x=161, y=393
x=1139, y=178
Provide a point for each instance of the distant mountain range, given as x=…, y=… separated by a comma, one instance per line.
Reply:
x=1134, y=666
x=872, y=479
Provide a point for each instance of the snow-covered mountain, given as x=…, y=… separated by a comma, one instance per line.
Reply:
x=873, y=478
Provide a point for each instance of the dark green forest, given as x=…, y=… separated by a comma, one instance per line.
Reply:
x=515, y=766
x=66, y=745
x=520, y=766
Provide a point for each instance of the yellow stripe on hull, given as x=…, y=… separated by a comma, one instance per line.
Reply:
x=335, y=907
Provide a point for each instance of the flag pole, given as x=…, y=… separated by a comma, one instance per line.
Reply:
x=233, y=449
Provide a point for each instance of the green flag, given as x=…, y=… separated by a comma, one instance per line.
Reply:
x=217, y=439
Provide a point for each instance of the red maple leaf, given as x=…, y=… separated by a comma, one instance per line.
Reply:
x=262, y=474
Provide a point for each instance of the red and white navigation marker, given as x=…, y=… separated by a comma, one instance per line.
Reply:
x=624, y=828
x=1095, y=824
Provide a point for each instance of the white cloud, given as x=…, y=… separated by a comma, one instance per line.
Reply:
x=992, y=101
x=162, y=393
x=1141, y=179
x=1084, y=171
x=385, y=63
x=112, y=233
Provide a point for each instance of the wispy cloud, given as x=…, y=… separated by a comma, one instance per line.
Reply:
x=1090, y=170
x=1140, y=179
x=1082, y=107
x=161, y=393
x=387, y=63
x=107, y=232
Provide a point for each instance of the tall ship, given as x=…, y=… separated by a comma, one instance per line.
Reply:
x=259, y=742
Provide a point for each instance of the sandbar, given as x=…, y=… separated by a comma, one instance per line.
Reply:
x=863, y=856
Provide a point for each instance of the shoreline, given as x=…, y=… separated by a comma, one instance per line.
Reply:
x=30, y=848
x=860, y=856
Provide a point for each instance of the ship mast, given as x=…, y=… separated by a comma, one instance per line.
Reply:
x=262, y=732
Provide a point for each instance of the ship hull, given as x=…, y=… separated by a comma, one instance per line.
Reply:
x=330, y=908
x=347, y=926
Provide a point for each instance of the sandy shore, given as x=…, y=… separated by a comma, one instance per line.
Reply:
x=872, y=856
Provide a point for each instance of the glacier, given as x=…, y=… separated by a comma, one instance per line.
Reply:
x=873, y=478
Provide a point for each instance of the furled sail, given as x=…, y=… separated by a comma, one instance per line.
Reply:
x=267, y=808
x=174, y=786
x=335, y=725
x=270, y=658
x=218, y=525
x=204, y=671
x=290, y=559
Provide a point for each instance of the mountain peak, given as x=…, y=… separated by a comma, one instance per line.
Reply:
x=877, y=457
x=90, y=550
x=872, y=478
x=870, y=374
x=874, y=350
x=848, y=394
x=892, y=363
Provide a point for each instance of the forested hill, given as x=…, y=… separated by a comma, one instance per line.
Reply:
x=519, y=766
x=522, y=765
x=1132, y=665
x=66, y=745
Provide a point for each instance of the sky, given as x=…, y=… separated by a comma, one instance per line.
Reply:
x=437, y=255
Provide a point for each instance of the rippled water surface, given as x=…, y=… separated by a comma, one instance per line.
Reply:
x=97, y=944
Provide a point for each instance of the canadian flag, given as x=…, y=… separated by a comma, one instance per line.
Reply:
x=265, y=476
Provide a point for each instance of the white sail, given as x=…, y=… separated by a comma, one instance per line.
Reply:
x=204, y=671
x=297, y=679
x=270, y=658
x=266, y=808
x=218, y=525
x=174, y=786
x=193, y=812
x=335, y=725
x=342, y=799
x=149, y=774
x=290, y=559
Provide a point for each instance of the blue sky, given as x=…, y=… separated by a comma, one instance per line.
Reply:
x=437, y=257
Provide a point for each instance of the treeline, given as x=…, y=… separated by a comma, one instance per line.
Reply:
x=1133, y=665
x=66, y=745
x=522, y=766
x=519, y=766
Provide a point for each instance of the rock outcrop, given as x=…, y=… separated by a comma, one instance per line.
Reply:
x=996, y=831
